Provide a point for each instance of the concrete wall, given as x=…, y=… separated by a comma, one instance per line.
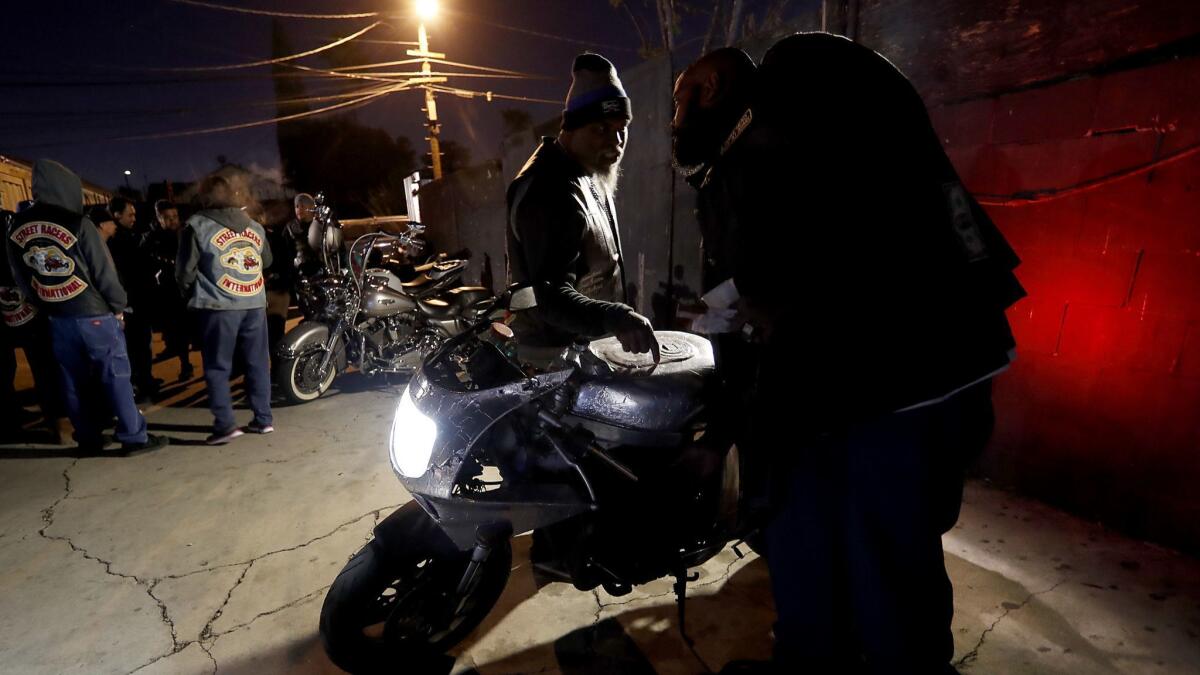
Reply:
x=1100, y=412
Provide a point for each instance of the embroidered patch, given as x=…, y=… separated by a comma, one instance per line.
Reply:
x=610, y=107
x=243, y=259
x=242, y=288
x=226, y=237
x=40, y=229
x=60, y=292
x=959, y=205
x=14, y=308
x=49, y=261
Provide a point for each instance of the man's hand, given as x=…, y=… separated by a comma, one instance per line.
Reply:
x=120, y=317
x=636, y=335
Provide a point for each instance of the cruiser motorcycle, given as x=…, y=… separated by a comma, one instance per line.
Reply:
x=380, y=312
x=612, y=462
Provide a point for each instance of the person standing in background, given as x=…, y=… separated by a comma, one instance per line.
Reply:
x=222, y=255
x=137, y=277
x=59, y=262
x=170, y=311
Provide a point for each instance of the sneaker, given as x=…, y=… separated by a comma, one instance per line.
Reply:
x=221, y=438
x=152, y=442
x=256, y=428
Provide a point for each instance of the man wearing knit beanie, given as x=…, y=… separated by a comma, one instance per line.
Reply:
x=562, y=223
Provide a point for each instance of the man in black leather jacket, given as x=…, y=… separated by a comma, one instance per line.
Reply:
x=874, y=290
x=562, y=224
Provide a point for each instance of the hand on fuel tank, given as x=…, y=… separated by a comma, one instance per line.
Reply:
x=635, y=334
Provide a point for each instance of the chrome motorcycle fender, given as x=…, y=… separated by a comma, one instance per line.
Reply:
x=306, y=336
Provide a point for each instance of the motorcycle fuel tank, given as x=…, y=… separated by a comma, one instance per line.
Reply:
x=383, y=301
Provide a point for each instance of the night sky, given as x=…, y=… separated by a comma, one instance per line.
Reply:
x=77, y=75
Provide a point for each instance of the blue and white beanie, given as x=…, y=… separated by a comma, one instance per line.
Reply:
x=596, y=93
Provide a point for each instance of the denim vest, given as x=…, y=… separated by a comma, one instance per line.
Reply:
x=230, y=270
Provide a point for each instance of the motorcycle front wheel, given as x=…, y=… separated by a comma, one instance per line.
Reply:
x=300, y=379
x=391, y=609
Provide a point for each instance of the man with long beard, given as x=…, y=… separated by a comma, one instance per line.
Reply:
x=562, y=224
x=874, y=287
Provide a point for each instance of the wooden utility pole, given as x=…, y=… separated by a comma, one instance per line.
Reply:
x=427, y=81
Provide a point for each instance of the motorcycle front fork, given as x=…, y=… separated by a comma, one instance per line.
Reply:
x=487, y=538
x=334, y=336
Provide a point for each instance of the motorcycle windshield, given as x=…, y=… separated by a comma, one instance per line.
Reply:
x=459, y=418
x=369, y=249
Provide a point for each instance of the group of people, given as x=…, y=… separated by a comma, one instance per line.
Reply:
x=855, y=296
x=83, y=289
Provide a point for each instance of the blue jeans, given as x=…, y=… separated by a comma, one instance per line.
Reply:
x=86, y=347
x=241, y=333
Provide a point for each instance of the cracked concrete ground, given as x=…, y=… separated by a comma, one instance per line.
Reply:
x=198, y=560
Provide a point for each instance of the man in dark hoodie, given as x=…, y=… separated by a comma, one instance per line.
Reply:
x=562, y=224
x=60, y=264
x=875, y=289
x=222, y=255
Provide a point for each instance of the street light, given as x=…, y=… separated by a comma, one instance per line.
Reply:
x=128, y=173
x=427, y=9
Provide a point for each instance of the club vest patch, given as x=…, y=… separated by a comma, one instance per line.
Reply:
x=60, y=292
x=40, y=229
x=13, y=307
x=49, y=261
x=243, y=259
x=226, y=237
x=242, y=288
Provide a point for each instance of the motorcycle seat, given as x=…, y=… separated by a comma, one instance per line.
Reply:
x=443, y=268
x=416, y=282
x=639, y=395
x=437, y=308
x=467, y=295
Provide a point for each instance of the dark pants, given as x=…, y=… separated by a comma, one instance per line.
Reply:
x=138, y=335
x=176, y=332
x=224, y=334
x=87, y=347
x=855, y=552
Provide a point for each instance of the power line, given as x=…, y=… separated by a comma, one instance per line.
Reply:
x=264, y=12
x=362, y=100
x=467, y=93
x=266, y=62
x=548, y=36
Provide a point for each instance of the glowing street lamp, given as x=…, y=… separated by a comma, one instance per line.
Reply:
x=427, y=9
x=128, y=173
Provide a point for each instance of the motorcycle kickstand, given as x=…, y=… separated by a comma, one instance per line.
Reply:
x=681, y=581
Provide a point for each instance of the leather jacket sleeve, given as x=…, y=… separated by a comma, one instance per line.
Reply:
x=549, y=225
x=187, y=262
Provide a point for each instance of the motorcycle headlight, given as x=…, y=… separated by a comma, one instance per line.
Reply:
x=412, y=438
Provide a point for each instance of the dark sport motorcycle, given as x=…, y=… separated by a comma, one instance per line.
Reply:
x=612, y=462
x=381, y=313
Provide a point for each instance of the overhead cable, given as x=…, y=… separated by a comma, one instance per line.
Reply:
x=268, y=62
x=362, y=100
x=264, y=12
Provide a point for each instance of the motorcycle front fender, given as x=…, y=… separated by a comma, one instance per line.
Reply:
x=306, y=336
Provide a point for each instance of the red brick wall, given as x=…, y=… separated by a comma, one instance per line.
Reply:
x=1101, y=412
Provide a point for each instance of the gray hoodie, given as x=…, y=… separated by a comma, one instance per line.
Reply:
x=57, y=257
x=222, y=255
